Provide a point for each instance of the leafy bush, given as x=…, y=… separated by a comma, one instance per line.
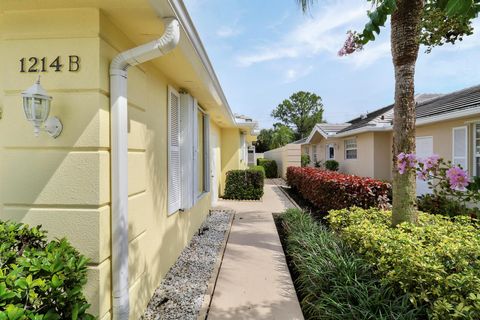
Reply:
x=436, y=262
x=333, y=281
x=259, y=168
x=436, y=204
x=474, y=184
x=305, y=160
x=318, y=164
x=39, y=279
x=331, y=165
x=244, y=185
x=271, y=169
x=328, y=190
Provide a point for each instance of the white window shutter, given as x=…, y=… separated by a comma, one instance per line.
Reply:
x=206, y=134
x=187, y=141
x=460, y=147
x=174, y=161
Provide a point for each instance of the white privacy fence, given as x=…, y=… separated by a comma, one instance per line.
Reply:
x=287, y=156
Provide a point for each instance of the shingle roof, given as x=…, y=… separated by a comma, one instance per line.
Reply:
x=455, y=101
x=366, y=119
x=427, y=105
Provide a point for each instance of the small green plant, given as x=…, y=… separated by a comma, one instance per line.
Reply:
x=436, y=261
x=318, y=164
x=331, y=165
x=334, y=282
x=305, y=160
x=270, y=166
x=244, y=185
x=40, y=279
x=474, y=184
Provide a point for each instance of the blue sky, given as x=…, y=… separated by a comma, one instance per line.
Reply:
x=265, y=50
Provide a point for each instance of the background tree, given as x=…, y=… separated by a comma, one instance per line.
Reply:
x=300, y=112
x=413, y=22
x=277, y=137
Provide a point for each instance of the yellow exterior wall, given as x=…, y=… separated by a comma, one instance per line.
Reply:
x=64, y=183
x=231, y=153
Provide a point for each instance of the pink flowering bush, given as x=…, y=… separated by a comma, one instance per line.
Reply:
x=352, y=44
x=444, y=178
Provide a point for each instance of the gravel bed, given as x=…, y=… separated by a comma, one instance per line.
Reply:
x=180, y=295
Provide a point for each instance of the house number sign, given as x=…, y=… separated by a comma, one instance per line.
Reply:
x=45, y=64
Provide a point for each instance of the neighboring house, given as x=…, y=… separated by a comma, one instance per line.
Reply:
x=139, y=162
x=447, y=125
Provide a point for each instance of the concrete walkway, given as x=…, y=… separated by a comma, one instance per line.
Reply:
x=254, y=281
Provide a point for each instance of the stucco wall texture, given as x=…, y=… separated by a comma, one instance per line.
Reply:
x=64, y=183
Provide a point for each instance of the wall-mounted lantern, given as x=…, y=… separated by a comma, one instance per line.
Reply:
x=36, y=104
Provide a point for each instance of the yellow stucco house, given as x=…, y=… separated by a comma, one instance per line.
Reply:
x=147, y=137
x=447, y=125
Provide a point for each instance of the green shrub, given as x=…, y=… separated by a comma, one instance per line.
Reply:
x=436, y=204
x=331, y=165
x=333, y=281
x=474, y=184
x=436, y=262
x=39, y=279
x=259, y=168
x=270, y=166
x=318, y=164
x=244, y=185
x=305, y=160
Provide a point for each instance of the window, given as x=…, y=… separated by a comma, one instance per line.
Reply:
x=188, y=151
x=476, y=149
x=314, y=153
x=460, y=146
x=351, y=149
x=330, y=152
x=202, y=167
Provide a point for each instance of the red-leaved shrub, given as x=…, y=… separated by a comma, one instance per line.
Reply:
x=329, y=190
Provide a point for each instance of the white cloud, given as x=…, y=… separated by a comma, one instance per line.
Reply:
x=228, y=32
x=323, y=33
x=293, y=74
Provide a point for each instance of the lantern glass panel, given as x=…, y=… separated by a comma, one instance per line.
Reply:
x=36, y=108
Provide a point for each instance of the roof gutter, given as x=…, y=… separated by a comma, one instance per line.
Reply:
x=119, y=157
x=182, y=14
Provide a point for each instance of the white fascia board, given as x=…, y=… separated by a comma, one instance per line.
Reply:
x=449, y=116
x=180, y=11
x=362, y=130
x=316, y=129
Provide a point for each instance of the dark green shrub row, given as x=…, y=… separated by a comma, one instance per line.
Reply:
x=333, y=282
x=40, y=280
x=259, y=168
x=436, y=204
x=331, y=165
x=271, y=169
x=436, y=262
x=244, y=184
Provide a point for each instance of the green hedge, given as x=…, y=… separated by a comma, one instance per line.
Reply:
x=259, y=168
x=333, y=282
x=39, y=279
x=244, y=184
x=270, y=166
x=436, y=262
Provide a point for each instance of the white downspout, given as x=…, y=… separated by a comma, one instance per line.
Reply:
x=119, y=153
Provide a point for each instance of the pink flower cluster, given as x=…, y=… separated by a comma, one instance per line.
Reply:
x=458, y=178
x=351, y=44
x=405, y=161
x=428, y=168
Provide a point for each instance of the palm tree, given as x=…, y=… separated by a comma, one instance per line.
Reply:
x=405, y=34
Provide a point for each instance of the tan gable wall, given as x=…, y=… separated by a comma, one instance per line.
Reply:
x=442, y=136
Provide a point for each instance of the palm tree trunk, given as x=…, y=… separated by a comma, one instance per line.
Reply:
x=405, y=46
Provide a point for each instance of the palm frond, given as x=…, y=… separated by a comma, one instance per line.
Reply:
x=306, y=4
